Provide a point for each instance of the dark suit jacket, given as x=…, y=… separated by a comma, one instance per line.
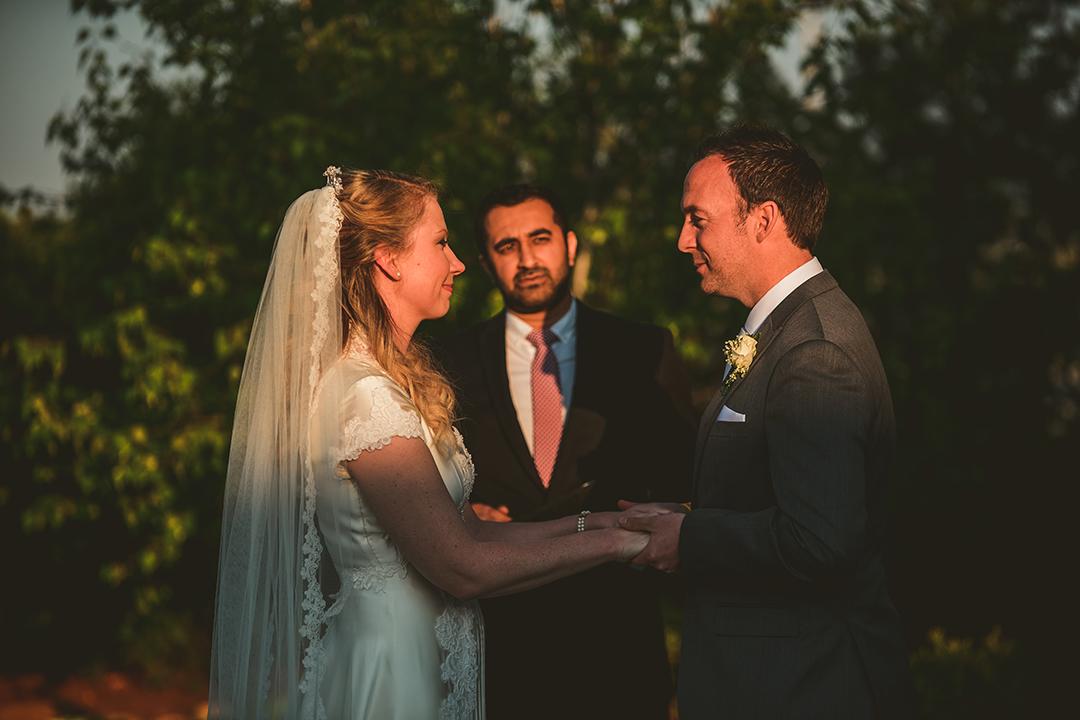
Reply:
x=787, y=614
x=590, y=645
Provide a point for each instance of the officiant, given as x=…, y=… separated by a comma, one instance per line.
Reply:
x=565, y=411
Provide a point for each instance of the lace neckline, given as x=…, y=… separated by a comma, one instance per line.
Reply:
x=357, y=348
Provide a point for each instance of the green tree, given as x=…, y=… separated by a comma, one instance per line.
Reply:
x=621, y=94
x=120, y=367
x=119, y=381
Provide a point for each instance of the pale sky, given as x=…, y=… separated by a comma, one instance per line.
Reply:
x=39, y=77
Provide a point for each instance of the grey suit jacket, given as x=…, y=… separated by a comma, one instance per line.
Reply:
x=787, y=614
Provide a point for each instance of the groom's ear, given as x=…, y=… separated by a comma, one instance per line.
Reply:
x=764, y=220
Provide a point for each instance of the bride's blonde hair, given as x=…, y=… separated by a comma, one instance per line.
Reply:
x=379, y=208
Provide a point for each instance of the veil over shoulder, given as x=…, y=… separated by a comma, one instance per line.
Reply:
x=316, y=610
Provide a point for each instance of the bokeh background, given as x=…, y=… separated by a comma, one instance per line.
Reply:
x=949, y=135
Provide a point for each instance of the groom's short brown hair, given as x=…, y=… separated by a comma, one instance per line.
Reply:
x=767, y=165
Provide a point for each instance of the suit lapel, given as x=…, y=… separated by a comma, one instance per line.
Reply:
x=770, y=329
x=493, y=358
x=766, y=334
x=773, y=325
x=707, y=419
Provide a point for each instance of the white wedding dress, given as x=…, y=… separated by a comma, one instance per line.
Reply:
x=395, y=646
x=318, y=616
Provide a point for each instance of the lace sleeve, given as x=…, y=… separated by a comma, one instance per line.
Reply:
x=377, y=411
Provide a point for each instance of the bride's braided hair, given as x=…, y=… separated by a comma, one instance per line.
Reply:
x=380, y=208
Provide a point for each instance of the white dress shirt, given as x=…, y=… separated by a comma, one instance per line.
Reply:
x=779, y=292
x=519, y=357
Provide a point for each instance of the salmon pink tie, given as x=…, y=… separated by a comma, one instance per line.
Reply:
x=547, y=404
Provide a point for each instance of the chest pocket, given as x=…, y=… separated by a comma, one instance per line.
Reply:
x=731, y=474
x=727, y=450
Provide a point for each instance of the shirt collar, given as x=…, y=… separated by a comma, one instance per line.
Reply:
x=778, y=292
x=565, y=328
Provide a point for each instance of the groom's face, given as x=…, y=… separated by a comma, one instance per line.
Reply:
x=714, y=230
x=528, y=257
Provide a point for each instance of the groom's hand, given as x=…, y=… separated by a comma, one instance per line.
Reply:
x=662, y=552
x=632, y=509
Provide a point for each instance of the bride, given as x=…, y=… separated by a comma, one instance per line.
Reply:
x=350, y=556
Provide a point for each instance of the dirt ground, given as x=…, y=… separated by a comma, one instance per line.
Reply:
x=108, y=696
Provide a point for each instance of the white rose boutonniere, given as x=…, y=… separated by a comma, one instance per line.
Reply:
x=739, y=353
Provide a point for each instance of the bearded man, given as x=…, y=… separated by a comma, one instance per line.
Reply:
x=566, y=410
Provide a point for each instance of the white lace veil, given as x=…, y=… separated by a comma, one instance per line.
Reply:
x=273, y=584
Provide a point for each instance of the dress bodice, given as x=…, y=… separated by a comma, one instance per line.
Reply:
x=385, y=612
x=374, y=410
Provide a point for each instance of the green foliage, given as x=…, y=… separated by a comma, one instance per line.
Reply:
x=627, y=91
x=119, y=378
x=949, y=137
x=956, y=680
x=106, y=442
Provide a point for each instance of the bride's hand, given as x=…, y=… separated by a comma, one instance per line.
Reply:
x=631, y=544
x=602, y=520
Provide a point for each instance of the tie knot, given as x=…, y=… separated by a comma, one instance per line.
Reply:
x=543, y=335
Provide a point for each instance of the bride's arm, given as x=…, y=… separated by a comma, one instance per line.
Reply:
x=489, y=531
x=402, y=485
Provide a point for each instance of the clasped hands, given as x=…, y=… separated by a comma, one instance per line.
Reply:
x=662, y=522
x=650, y=530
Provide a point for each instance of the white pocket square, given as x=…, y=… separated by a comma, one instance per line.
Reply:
x=729, y=415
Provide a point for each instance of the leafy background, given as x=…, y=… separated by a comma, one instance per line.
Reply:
x=948, y=132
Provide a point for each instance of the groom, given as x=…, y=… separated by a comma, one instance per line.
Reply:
x=787, y=614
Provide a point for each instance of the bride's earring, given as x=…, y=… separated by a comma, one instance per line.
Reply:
x=386, y=261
